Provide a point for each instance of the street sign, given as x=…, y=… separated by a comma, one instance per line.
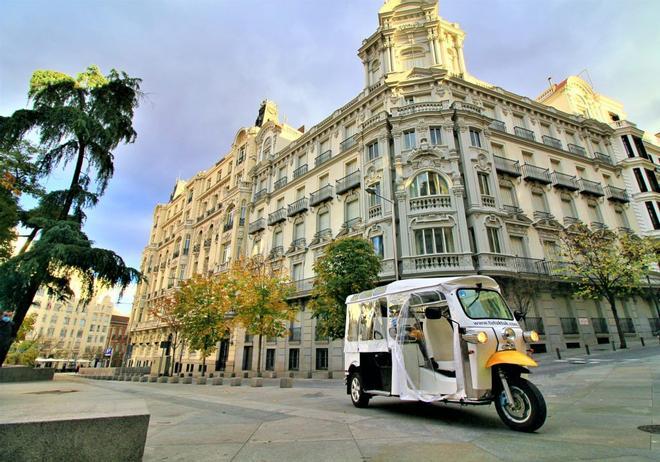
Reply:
x=107, y=352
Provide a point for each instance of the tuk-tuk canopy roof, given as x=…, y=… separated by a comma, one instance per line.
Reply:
x=408, y=285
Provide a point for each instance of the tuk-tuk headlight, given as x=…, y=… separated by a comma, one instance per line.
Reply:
x=509, y=334
x=531, y=336
x=476, y=337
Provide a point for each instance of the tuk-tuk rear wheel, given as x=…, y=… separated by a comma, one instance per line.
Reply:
x=358, y=396
x=528, y=411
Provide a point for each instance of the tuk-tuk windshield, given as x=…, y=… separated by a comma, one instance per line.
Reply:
x=483, y=304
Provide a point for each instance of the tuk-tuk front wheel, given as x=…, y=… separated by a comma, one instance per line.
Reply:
x=358, y=396
x=527, y=412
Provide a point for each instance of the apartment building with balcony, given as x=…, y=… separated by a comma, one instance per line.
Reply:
x=469, y=178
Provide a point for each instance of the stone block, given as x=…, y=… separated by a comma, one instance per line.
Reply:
x=153, y=378
x=136, y=378
x=246, y=374
x=186, y=380
x=126, y=378
x=320, y=375
x=257, y=382
x=173, y=379
x=144, y=378
x=201, y=381
x=236, y=382
x=163, y=379
x=286, y=382
x=270, y=374
x=216, y=381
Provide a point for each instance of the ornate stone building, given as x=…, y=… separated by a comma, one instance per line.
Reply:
x=444, y=173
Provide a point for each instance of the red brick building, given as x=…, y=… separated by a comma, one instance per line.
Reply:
x=117, y=339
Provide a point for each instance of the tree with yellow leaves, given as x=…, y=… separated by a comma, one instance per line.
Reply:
x=260, y=304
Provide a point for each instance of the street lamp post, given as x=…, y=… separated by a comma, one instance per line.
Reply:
x=394, y=249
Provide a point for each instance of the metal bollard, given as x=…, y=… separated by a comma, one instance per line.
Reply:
x=642, y=340
x=558, y=354
x=587, y=348
x=613, y=346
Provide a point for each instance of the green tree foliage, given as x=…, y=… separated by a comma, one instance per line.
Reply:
x=24, y=351
x=78, y=122
x=202, y=304
x=260, y=293
x=603, y=264
x=348, y=266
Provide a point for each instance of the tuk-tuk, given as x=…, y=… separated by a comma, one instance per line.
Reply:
x=452, y=340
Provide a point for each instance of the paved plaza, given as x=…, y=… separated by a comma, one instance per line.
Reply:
x=595, y=406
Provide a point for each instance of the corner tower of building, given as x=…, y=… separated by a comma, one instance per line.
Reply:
x=411, y=35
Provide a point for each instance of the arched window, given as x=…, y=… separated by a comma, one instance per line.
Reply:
x=229, y=219
x=428, y=184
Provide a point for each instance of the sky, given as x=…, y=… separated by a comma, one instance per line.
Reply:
x=206, y=66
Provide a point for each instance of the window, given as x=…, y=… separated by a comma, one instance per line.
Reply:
x=324, y=180
x=409, y=99
x=518, y=247
x=302, y=160
x=621, y=218
x=627, y=146
x=640, y=180
x=551, y=250
x=324, y=220
x=652, y=215
x=409, y=140
x=270, y=359
x=436, y=135
x=353, y=322
x=374, y=199
x=483, y=183
x=352, y=209
x=297, y=271
x=256, y=247
x=538, y=201
x=475, y=137
x=278, y=240
x=494, y=239
x=434, y=240
x=351, y=167
x=300, y=193
x=372, y=151
x=641, y=149
x=508, y=193
x=653, y=180
x=299, y=230
x=294, y=359
x=567, y=206
x=483, y=304
x=377, y=242
x=428, y=184
x=594, y=212
x=322, y=359
x=241, y=155
x=498, y=150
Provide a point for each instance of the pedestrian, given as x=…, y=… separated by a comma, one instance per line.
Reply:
x=6, y=329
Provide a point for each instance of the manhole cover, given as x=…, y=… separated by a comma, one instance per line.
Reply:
x=649, y=428
x=50, y=392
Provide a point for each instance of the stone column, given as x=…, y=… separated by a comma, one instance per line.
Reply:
x=432, y=46
x=459, y=53
x=443, y=50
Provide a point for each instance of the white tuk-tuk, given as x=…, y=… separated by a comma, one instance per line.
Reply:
x=453, y=340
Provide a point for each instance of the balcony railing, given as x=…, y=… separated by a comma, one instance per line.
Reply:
x=429, y=203
x=591, y=188
x=375, y=211
x=627, y=326
x=277, y=216
x=350, y=181
x=437, y=262
x=512, y=209
x=299, y=243
x=352, y=223
x=529, y=265
x=323, y=158
x=299, y=206
x=320, y=196
x=498, y=125
x=419, y=107
x=300, y=171
x=550, y=141
x=597, y=225
x=348, y=143
x=561, y=180
x=228, y=226
x=487, y=201
x=600, y=325
x=569, y=326
x=256, y=226
x=524, y=133
x=575, y=149
x=535, y=324
x=302, y=287
x=538, y=174
x=617, y=194
x=260, y=194
x=276, y=252
x=508, y=166
x=599, y=156
x=279, y=183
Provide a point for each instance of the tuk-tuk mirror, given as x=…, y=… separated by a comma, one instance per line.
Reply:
x=518, y=315
x=433, y=313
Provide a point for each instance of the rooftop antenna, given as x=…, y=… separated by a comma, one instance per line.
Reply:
x=550, y=82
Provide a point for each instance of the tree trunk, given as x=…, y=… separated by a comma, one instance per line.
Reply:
x=20, y=312
x=622, y=338
x=29, y=240
x=73, y=188
x=203, y=363
x=259, y=356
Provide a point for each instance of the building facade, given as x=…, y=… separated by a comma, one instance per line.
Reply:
x=444, y=173
x=70, y=331
x=117, y=340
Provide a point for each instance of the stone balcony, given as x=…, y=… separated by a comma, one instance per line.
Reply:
x=575, y=149
x=563, y=181
x=508, y=166
x=615, y=194
x=537, y=174
x=277, y=216
x=323, y=158
x=552, y=142
x=498, y=125
x=300, y=171
x=322, y=195
x=299, y=206
x=257, y=225
x=591, y=188
x=445, y=262
x=428, y=204
x=524, y=133
x=348, y=143
x=604, y=158
x=279, y=184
